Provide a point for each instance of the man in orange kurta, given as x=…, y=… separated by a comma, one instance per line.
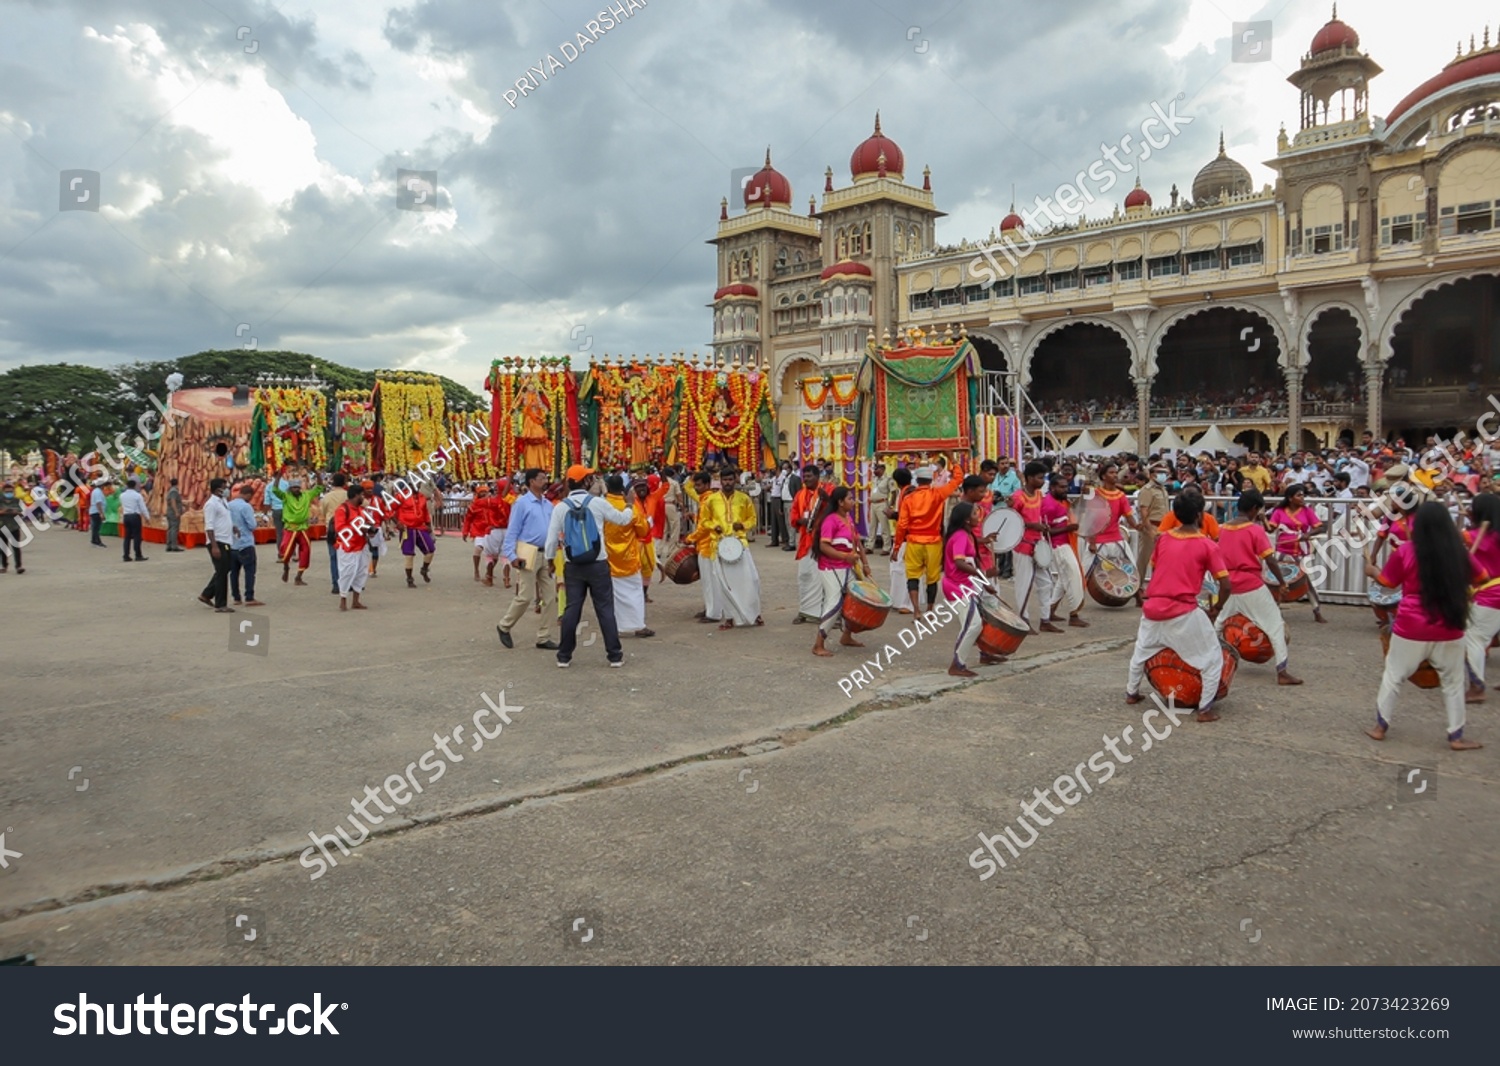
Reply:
x=919, y=526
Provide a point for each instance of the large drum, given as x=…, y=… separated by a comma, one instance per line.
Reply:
x=1007, y=527
x=682, y=568
x=1112, y=582
x=1424, y=676
x=1292, y=574
x=1003, y=629
x=865, y=606
x=1175, y=680
x=1247, y=638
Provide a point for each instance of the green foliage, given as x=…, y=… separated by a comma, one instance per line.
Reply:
x=65, y=407
x=61, y=406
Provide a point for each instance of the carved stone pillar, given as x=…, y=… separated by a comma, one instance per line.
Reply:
x=1293, y=376
x=1374, y=383
x=1143, y=413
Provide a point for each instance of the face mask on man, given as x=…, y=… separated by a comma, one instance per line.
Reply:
x=1161, y=477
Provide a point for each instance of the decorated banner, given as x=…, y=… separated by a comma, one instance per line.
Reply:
x=836, y=441
x=410, y=420
x=922, y=395
x=998, y=435
x=289, y=425
x=533, y=415
x=722, y=412
x=354, y=432
x=624, y=410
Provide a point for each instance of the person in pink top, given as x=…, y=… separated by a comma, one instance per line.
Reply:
x=837, y=547
x=1057, y=516
x=1246, y=548
x=1433, y=572
x=960, y=572
x=1033, y=579
x=1294, y=523
x=1484, y=615
x=1110, y=541
x=1171, y=617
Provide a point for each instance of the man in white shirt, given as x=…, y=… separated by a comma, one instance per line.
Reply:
x=880, y=489
x=218, y=529
x=586, y=577
x=1358, y=471
x=790, y=483
x=778, y=505
x=133, y=514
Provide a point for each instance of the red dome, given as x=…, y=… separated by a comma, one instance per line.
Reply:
x=1137, y=197
x=1480, y=65
x=780, y=192
x=865, y=162
x=1334, y=35
x=848, y=266
x=739, y=288
x=1011, y=221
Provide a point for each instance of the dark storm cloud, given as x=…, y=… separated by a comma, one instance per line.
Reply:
x=588, y=202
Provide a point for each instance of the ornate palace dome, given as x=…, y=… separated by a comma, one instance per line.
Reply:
x=768, y=186
x=1223, y=177
x=866, y=161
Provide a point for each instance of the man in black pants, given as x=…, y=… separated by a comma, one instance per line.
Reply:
x=133, y=514
x=578, y=525
x=218, y=528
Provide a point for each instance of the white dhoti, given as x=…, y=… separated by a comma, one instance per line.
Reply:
x=1033, y=588
x=738, y=590
x=1260, y=607
x=376, y=539
x=899, y=595
x=809, y=588
x=834, y=584
x=630, y=602
x=972, y=623
x=710, y=583
x=354, y=567
x=492, y=542
x=1067, y=590
x=1192, y=637
x=1484, y=623
x=1402, y=660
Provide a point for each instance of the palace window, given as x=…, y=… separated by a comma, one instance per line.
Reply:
x=1031, y=286
x=1323, y=239
x=973, y=294
x=1401, y=229
x=868, y=243
x=920, y=301
x=1197, y=262
x=949, y=298
x=1468, y=218
x=1004, y=288
x=1246, y=255
x=1067, y=279
x=1096, y=276
x=1130, y=270
x=1164, y=266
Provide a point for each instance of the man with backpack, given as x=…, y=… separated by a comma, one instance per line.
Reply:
x=578, y=525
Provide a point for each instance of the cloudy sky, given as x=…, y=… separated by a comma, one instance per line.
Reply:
x=248, y=152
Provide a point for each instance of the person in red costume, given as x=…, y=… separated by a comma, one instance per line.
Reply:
x=416, y=520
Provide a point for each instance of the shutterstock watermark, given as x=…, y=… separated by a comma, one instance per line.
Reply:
x=1087, y=186
x=399, y=788
x=1066, y=788
x=614, y=15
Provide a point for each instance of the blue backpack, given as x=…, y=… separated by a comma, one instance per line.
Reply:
x=580, y=536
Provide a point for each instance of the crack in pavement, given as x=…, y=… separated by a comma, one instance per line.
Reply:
x=913, y=691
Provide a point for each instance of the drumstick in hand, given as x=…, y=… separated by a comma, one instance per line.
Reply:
x=1479, y=536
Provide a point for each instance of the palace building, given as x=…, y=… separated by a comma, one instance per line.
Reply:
x=1362, y=290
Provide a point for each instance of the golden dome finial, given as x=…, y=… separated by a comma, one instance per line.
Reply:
x=877, y=123
x=768, y=155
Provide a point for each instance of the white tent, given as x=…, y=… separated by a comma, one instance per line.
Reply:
x=1168, y=440
x=1125, y=442
x=1084, y=444
x=1214, y=441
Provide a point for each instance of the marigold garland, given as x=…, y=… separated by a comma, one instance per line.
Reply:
x=294, y=423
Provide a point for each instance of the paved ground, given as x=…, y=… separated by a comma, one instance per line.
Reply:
x=718, y=800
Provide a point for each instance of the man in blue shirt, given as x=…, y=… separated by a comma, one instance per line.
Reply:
x=242, y=547
x=274, y=502
x=96, y=512
x=536, y=584
x=1006, y=483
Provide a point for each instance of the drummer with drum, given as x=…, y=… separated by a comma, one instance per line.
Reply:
x=1246, y=548
x=1033, y=556
x=837, y=546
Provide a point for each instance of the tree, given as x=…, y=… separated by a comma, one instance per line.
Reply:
x=61, y=406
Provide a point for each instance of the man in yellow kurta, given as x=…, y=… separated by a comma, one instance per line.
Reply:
x=722, y=515
x=622, y=544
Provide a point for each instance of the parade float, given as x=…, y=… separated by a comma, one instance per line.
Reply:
x=208, y=436
x=354, y=432
x=410, y=419
x=723, y=411
x=533, y=415
x=290, y=425
x=621, y=410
